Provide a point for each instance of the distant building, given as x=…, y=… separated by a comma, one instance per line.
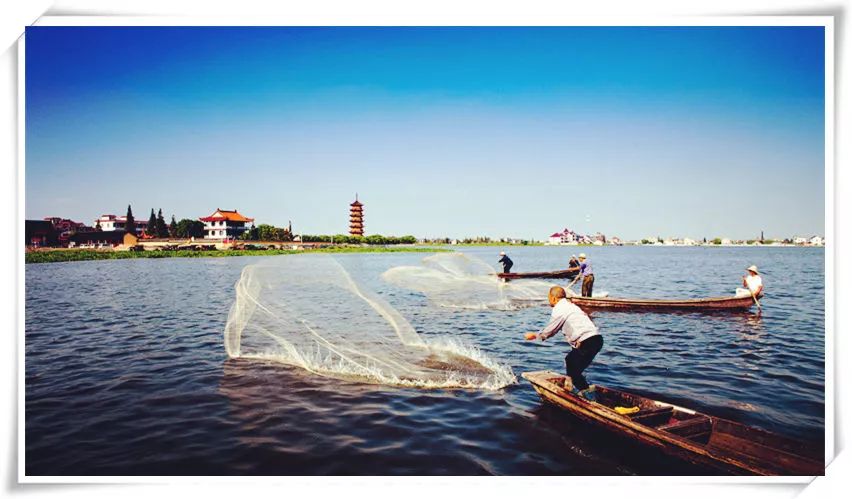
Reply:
x=101, y=239
x=110, y=223
x=600, y=238
x=567, y=236
x=64, y=228
x=726, y=241
x=356, y=217
x=615, y=240
x=224, y=224
x=816, y=241
x=800, y=240
x=689, y=242
x=40, y=233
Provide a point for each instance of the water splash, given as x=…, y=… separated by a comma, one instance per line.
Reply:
x=456, y=280
x=307, y=311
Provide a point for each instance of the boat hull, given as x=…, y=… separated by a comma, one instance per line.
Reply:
x=727, y=446
x=720, y=303
x=558, y=274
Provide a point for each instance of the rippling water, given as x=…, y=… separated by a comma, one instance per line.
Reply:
x=126, y=372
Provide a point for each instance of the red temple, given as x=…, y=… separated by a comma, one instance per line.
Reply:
x=356, y=218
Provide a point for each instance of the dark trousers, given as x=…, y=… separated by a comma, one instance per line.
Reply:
x=588, y=284
x=507, y=267
x=578, y=359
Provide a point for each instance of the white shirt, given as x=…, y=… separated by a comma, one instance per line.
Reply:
x=754, y=282
x=572, y=320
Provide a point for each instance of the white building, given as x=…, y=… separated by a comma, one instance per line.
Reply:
x=689, y=242
x=816, y=241
x=110, y=223
x=565, y=237
x=800, y=240
x=224, y=224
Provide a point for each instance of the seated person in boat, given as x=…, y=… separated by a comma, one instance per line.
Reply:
x=506, y=262
x=753, y=282
x=585, y=268
x=580, y=332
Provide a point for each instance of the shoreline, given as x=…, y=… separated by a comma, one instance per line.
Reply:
x=81, y=255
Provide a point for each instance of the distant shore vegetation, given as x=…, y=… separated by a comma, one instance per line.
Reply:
x=75, y=255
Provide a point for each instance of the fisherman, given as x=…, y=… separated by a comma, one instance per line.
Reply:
x=506, y=262
x=585, y=269
x=580, y=332
x=753, y=282
x=573, y=264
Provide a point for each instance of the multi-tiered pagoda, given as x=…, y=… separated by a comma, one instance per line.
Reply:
x=356, y=218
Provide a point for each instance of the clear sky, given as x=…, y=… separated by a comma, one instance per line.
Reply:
x=634, y=132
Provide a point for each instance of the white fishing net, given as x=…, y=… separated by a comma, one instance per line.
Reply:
x=456, y=280
x=307, y=311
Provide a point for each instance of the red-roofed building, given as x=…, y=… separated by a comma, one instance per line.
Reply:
x=224, y=224
x=565, y=237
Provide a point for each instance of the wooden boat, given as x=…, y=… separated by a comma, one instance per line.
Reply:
x=685, y=434
x=557, y=274
x=718, y=303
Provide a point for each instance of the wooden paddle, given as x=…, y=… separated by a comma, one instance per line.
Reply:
x=755, y=299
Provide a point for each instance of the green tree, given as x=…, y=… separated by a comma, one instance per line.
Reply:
x=152, y=225
x=162, y=229
x=717, y=241
x=173, y=227
x=189, y=228
x=130, y=224
x=266, y=232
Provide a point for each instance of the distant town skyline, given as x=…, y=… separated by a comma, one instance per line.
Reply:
x=443, y=132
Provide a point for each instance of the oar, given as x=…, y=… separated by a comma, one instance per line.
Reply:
x=755, y=300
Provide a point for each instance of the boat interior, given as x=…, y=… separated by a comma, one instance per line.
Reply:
x=722, y=438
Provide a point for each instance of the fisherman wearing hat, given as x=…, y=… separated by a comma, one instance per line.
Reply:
x=585, y=269
x=506, y=262
x=753, y=282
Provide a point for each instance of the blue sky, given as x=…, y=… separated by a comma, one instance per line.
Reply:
x=635, y=132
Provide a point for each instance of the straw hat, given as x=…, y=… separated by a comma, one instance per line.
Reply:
x=573, y=256
x=502, y=253
x=753, y=268
x=583, y=256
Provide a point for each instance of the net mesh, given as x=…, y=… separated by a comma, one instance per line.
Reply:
x=307, y=311
x=456, y=280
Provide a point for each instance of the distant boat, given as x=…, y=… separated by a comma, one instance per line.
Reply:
x=685, y=434
x=718, y=303
x=557, y=274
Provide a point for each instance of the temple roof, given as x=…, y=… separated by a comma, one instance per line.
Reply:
x=230, y=216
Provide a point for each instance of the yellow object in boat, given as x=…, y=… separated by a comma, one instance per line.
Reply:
x=626, y=410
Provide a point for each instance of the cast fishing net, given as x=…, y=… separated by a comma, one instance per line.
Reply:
x=307, y=311
x=456, y=280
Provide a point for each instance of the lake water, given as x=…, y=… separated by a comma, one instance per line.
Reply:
x=127, y=374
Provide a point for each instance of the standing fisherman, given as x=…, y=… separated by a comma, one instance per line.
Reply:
x=580, y=332
x=585, y=268
x=506, y=262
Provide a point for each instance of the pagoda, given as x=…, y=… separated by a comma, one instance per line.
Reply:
x=356, y=218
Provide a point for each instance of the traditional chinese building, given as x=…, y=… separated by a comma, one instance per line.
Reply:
x=224, y=224
x=356, y=218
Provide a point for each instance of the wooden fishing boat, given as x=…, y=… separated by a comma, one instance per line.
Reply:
x=685, y=434
x=718, y=303
x=557, y=274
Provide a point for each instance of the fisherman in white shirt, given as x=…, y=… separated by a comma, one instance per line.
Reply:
x=753, y=282
x=580, y=332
